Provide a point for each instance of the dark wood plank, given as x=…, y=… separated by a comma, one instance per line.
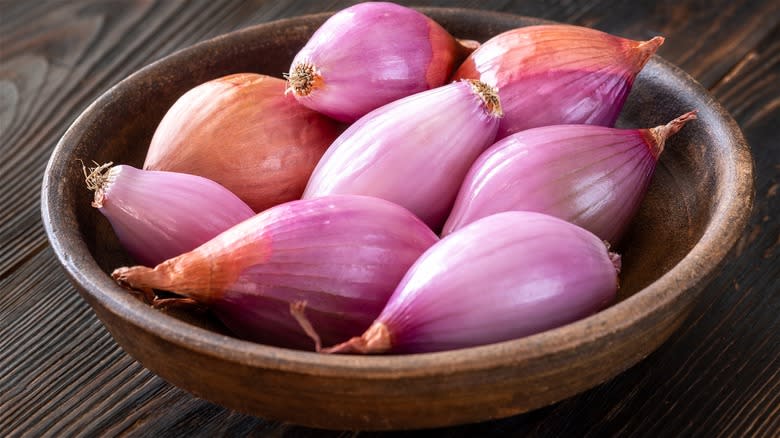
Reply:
x=61, y=373
x=703, y=38
x=48, y=76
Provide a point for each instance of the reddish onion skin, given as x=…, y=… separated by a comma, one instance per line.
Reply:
x=558, y=74
x=342, y=256
x=369, y=55
x=408, y=152
x=244, y=133
x=159, y=215
x=592, y=176
x=503, y=277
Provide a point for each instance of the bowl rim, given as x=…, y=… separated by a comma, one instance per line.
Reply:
x=686, y=277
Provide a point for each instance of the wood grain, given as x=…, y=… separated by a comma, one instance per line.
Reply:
x=61, y=374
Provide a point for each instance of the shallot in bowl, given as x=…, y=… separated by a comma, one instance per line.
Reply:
x=696, y=207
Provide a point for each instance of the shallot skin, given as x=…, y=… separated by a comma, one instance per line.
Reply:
x=558, y=74
x=369, y=55
x=593, y=176
x=338, y=257
x=502, y=277
x=244, y=133
x=407, y=152
x=158, y=215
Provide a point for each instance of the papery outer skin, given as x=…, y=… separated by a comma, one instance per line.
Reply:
x=158, y=215
x=244, y=133
x=503, y=277
x=414, y=152
x=374, y=53
x=592, y=176
x=558, y=74
x=342, y=255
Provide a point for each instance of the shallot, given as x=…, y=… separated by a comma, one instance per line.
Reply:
x=558, y=74
x=338, y=258
x=502, y=277
x=244, y=133
x=369, y=55
x=158, y=215
x=414, y=151
x=592, y=176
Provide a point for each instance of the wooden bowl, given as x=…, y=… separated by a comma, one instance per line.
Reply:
x=696, y=208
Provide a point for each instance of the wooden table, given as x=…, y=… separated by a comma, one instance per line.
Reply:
x=61, y=373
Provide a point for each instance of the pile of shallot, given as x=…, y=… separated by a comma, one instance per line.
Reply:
x=400, y=191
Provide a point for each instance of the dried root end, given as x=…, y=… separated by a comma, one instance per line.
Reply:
x=96, y=179
x=661, y=133
x=616, y=261
x=302, y=79
x=489, y=96
x=613, y=257
x=375, y=340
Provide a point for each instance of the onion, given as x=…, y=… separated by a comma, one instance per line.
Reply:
x=340, y=257
x=592, y=176
x=159, y=215
x=558, y=74
x=369, y=55
x=503, y=277
x=244, y=133
x=408, y=152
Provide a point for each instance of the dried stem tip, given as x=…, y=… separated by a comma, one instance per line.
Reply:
x=489, y=96
x=375, y=340
x=644, y=50
x=96, y=179
x=663, y=132
x=303, y=79
x=675, y=125
x=651, y=46
x=613, y=257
